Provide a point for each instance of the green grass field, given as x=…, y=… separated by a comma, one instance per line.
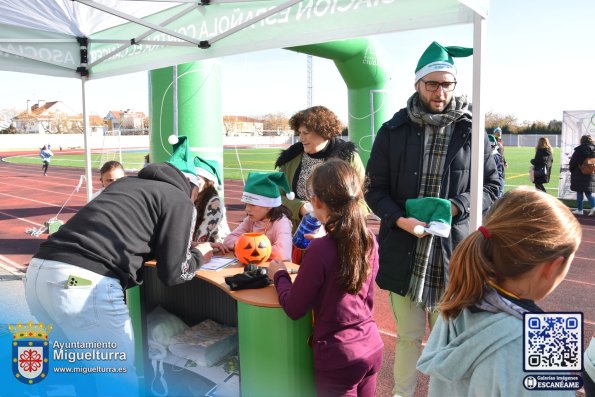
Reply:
x=263, y=159
x=234, y=162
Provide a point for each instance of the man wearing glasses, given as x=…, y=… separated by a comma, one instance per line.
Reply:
x=423, y=151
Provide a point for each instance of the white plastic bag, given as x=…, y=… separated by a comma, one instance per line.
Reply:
x=532, y=173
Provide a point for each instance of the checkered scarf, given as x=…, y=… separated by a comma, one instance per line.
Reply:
x=427, y=278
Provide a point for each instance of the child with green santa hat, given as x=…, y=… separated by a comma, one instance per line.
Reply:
x=265, y=213
x=211, y=222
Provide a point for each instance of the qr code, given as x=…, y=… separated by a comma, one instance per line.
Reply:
x=553, y=342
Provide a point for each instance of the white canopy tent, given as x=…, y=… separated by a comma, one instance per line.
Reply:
x=90, y=39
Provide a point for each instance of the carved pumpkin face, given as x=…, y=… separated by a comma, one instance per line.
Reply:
x=253, y=248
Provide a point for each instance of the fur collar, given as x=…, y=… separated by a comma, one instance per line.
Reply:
x=337, y=148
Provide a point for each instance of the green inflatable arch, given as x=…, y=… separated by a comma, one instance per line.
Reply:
x=199, y=99
x=369, y=101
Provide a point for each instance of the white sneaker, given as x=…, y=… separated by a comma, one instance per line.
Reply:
x=577, y=212
x=592, y=212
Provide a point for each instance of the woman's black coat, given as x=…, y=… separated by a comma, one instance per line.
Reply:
x=543, y=157
x=580, y=182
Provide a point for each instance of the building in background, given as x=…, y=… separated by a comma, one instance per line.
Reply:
x=52, y=117
x=241, y=125
x=127, y=121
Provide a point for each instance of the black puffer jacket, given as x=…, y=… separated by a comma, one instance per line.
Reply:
x=580, y=182
x=394, y=171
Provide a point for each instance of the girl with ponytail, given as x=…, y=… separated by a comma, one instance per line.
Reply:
x=520, y=255
x=336, y=281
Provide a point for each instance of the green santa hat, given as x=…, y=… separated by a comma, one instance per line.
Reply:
x=181, y=158
x=262, y=188
x=493, y=140
x=437, y=58
x=208, y=169
x=434, y=211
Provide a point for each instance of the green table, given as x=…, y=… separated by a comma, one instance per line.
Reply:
x=275, y=359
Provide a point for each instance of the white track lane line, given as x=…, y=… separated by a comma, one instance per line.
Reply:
x=10, y=266
x=52, y=192
x=37, y=201
x=20, y=219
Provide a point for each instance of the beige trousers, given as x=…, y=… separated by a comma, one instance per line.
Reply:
x=411, y=321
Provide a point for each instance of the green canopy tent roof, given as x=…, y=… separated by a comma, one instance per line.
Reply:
x=88, y=39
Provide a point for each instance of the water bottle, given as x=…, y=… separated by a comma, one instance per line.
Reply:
x=309, y=224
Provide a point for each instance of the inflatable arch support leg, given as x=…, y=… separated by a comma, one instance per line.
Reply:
x=199, y=113
x=370, y=101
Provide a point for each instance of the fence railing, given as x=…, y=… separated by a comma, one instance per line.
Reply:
x=529, y=140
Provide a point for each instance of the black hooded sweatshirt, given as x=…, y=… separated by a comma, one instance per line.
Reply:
x=133, y=220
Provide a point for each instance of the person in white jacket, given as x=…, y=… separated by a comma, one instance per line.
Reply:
x=46, y=154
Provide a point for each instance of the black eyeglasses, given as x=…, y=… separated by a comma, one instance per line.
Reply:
x=432, y=86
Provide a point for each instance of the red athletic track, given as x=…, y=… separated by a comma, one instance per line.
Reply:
x=28, y=199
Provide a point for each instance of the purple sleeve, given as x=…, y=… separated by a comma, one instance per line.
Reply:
x=299, y=297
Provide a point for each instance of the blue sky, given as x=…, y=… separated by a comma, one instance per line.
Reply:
x=539, y=63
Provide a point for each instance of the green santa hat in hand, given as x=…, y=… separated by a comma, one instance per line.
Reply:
x=262, y=189
x=437, y=58
x=182, y=159
x=434, y=211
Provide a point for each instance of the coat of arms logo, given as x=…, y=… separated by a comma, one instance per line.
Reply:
x=30, y=352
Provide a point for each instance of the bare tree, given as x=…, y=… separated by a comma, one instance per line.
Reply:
x=57, y=123
x=275, y=121
x=228, y=122
x=555, y=125
x=26, y=122
x=8, y=114
x=505, y=121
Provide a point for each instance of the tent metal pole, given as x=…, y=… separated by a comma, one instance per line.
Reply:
x=478, y=129
x=88, y=175
x=139, y=39
x=139, y=21
x=252, y=21
x=195, y=1
x=35, y=41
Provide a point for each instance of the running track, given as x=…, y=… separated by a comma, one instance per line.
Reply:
x=28, y=199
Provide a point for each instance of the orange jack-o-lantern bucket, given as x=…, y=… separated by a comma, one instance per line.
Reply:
x=253, y=248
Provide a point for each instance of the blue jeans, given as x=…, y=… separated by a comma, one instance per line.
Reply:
x=94, y=314
x=579, y=200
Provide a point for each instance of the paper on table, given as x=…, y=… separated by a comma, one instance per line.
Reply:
x=217, y=262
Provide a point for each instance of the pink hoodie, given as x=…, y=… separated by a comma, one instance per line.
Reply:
x=279, y=232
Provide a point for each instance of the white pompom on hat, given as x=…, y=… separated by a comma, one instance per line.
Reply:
x=182, y=159
x=173, y=139
x=436, y=212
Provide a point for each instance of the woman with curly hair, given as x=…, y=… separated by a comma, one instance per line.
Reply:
x=319, y=130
